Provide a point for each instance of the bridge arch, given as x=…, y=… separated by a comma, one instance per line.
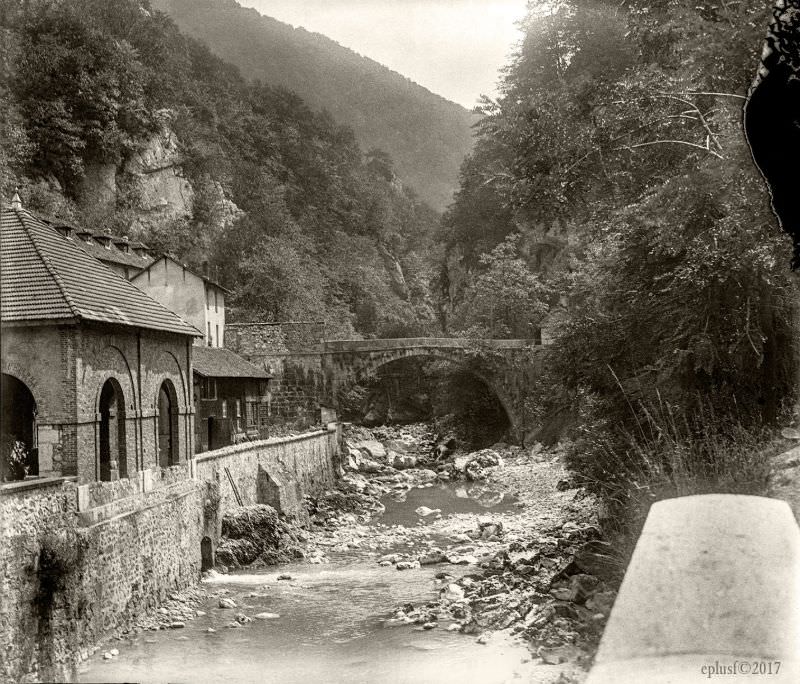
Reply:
x=358, y=367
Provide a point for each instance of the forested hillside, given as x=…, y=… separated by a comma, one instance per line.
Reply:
x=612, y=180
x=114, y=119
x=425, y=134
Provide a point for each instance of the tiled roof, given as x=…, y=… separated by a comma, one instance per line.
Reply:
x=202, y=277
x=45, y=276
x=215, y=362
x=114, y=255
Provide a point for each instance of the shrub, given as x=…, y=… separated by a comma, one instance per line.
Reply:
x=60, y=556
x=670, y=453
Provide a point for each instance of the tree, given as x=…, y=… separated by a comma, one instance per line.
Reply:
x=506, y=299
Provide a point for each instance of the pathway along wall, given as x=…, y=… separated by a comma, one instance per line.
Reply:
x=79, y=564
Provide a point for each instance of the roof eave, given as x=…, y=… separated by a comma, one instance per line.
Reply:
x=232, y=377
x=38, y=322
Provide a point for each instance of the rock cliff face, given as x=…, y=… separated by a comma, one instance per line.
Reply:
x=151, y=182
x=99, y=186
x=156, y=172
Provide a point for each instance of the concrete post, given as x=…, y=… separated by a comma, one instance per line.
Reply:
x=712, y=593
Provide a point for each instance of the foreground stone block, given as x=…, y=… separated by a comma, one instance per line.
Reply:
x=277, y=487
x=712, y=593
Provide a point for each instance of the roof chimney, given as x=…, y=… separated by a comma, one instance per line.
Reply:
x=16, y=202
x=64, y=229
x=104, y=239
x=123, y=244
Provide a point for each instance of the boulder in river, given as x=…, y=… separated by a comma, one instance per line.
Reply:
x=402, y=461
x=460, y=462
x=596, y=558
x=453, y=592
x=407, y=565
x=398, y=446
x=226, y=602
x=372, y=448
x=367, y=465
x=425, y=512
x=433, y=557
x=490, y=528
x=474, y=472
x=487, y=458
x=353, y=458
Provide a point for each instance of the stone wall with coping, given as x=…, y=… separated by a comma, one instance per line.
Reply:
x=308, y=459
x=113, y=562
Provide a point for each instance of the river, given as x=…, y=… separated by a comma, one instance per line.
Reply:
x=337, y=621
x=335, y=625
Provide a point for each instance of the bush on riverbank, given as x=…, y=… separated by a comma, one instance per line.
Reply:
x=253, y=533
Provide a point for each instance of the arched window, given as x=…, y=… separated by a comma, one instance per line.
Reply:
x=18, y=447
x=113, y=458
x=168, y=453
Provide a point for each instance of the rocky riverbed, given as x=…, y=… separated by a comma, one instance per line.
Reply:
x=537, y=566
x=491, y=550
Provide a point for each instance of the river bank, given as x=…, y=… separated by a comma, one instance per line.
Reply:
x=461, y=559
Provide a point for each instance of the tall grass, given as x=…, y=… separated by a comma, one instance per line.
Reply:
x=667, y=452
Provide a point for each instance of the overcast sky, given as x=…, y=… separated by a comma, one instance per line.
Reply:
x=452, y=47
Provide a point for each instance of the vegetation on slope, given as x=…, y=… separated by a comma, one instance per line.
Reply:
x=323, y=231
x=615, y=162
x=427, y=136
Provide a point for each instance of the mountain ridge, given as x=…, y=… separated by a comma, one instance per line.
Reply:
x=427, y=135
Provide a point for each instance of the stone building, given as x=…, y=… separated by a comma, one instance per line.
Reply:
x=231, y=394
x=194, y=297
x=96, y=374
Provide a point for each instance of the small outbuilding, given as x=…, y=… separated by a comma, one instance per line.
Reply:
x=232, y=399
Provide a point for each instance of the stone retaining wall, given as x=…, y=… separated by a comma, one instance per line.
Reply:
x=117, y=550
x=106, y=573
x=304, y=462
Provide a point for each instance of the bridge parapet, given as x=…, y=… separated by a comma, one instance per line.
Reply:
x=422, y=342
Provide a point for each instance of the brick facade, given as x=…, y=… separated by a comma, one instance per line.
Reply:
x=66, y=367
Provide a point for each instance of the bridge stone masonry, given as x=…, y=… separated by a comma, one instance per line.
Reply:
x=309, y=370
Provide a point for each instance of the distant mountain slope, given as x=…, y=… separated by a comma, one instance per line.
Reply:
x=426, y=135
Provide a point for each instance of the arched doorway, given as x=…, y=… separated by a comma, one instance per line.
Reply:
x=168, y=453
x=113, y=459
x=19, y=454
x=206, y=554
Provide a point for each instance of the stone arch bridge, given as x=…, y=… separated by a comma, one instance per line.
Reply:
x=308, y=378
